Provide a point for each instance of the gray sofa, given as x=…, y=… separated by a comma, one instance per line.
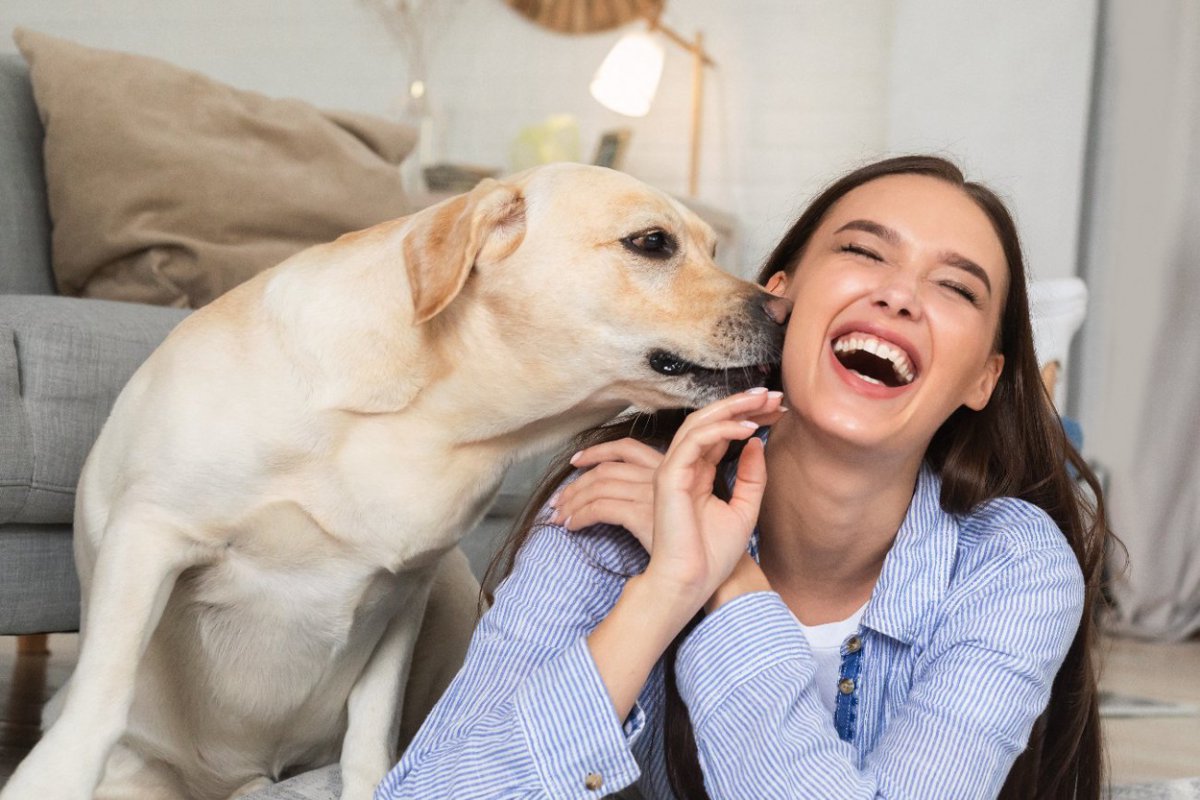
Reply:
x=62, y=362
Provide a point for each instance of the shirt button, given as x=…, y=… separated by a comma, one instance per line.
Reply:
x=846, y=685
x=593, y=780
x=853, y=644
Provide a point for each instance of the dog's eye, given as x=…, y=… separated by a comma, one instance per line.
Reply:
x=653, y=243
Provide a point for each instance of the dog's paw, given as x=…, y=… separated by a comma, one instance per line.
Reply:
x=54, y=770
x=25, y=784
x=358, y=785
x=362, y=769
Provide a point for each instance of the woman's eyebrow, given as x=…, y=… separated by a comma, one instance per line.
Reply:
x=874, y=228
x=949, y=257
x=953, y=259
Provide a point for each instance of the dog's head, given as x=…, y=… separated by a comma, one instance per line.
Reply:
x=584, y=279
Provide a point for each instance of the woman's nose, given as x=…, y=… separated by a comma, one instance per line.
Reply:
x=898, y=296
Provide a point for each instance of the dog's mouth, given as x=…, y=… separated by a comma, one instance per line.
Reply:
x=673, y=365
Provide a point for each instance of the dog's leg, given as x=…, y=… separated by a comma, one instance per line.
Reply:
x=369, y=749
x=136, y=566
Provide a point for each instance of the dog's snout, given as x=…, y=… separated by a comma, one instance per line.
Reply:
x=777, y=308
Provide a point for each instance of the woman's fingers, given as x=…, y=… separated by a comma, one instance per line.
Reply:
x=745, y=405
x=751, y=480
x=737, y=414
x=761, y=407
x=635, y=517
x=620, y=478
x=704, y=444
x=608, y=480
x=627, y=450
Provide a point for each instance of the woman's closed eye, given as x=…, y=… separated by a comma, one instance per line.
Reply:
x=964, y=291
x=859, y=250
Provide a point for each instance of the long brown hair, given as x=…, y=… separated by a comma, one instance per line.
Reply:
x=1014, y=447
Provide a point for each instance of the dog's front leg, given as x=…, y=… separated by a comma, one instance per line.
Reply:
x=136, y=567
x=369, y=749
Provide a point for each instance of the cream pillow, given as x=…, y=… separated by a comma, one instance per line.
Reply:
x=167, y=187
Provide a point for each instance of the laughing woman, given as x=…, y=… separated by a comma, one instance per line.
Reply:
x=890, y=595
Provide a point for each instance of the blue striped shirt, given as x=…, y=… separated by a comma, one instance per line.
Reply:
x=959, y=644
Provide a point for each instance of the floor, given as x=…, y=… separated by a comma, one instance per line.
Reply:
x=26, y=682
x=1153, y=748
x=1140, y=750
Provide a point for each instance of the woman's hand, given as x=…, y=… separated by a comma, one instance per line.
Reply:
x=694, y=539
x=618, y=486
x=617, y=489
x=699, y=538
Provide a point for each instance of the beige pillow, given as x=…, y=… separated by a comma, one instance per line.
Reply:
x=166, y=187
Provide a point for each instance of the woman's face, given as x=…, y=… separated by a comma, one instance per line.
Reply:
x=897, y=301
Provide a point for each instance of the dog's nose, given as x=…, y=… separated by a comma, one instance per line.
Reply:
x=777, y=308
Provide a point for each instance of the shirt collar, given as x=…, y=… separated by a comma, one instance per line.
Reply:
x=916, y=570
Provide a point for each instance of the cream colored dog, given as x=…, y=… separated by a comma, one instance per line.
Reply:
x=259, y=520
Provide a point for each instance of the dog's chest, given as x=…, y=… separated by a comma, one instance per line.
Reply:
x=399, y=497
x=312, y=605
x=324, y=594
x=296, y=637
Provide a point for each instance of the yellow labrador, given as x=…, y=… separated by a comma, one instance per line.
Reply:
x=258, y=524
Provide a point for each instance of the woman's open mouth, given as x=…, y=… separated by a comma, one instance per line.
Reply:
x=874, y=360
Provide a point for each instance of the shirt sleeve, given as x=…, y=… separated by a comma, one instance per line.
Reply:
x=528, y=715
x=977, y=689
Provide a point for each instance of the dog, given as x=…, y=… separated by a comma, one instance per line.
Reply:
x=260, y=519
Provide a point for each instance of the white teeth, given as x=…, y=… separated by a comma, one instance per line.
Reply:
x=853, y=342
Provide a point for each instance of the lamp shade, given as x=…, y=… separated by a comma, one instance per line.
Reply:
x=628, y=77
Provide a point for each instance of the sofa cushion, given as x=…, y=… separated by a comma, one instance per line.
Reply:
x=166, y=187
x=24, y=222
x=62, y=363
x=39, y=592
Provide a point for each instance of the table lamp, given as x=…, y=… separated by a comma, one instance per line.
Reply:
x=628, y=79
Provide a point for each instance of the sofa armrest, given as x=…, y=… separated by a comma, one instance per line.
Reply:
x=63, y=361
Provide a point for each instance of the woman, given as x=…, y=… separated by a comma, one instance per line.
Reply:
x=885, y=617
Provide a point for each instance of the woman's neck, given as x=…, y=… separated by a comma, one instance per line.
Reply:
x=829, y=517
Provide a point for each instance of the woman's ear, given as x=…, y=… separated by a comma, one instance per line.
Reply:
x=777, y=284
x=981, y=392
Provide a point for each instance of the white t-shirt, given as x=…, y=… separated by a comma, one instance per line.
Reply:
x=826, y=644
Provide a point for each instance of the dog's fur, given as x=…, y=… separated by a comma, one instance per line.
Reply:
x=259, y=521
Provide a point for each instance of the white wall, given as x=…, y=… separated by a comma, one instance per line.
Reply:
x=803, y=88
x=1004, y=89
x=329, y=52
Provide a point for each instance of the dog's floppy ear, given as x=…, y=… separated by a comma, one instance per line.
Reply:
x=446, y=240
